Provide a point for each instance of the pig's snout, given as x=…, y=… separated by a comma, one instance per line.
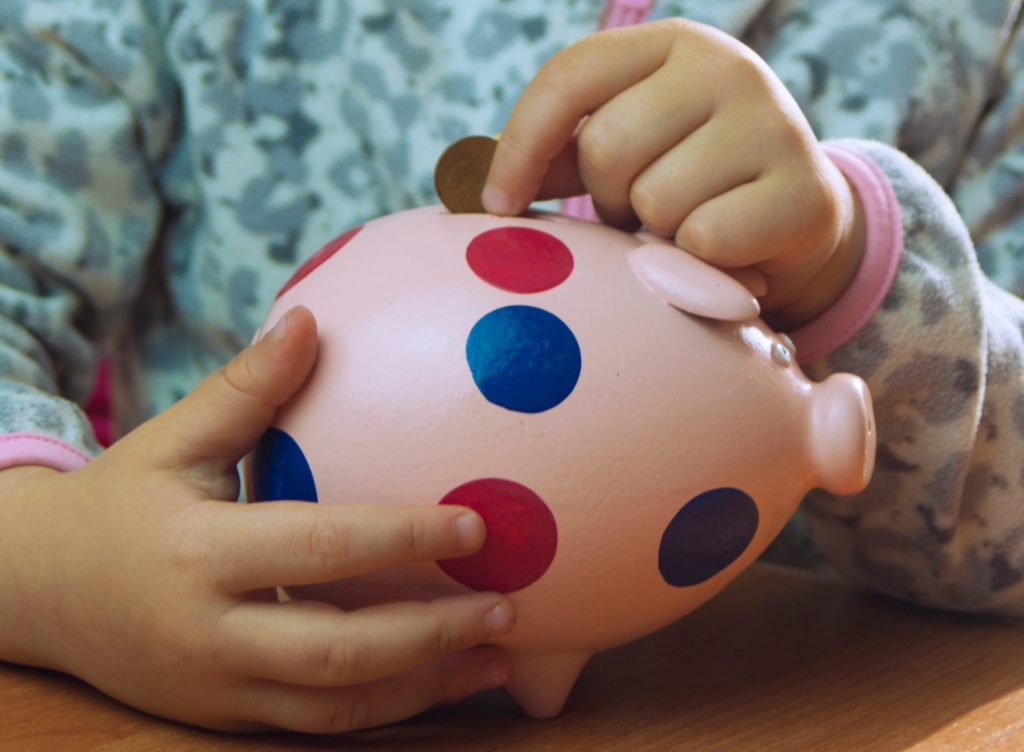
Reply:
x=842, y=434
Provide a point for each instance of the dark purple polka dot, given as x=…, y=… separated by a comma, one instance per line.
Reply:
x=708, y=534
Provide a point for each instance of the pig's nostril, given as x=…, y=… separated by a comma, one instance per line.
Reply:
x=521, y=536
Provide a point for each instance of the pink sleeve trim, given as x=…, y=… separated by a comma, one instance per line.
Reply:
x=580, y=207
x=36, y=449
x=619, y=13
x=883, y=247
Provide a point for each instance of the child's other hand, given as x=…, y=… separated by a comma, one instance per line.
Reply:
x=135, y=574
x=685, y=129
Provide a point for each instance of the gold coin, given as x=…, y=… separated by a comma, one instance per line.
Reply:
x=461, y=173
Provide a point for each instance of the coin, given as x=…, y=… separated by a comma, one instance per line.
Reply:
x=461, y=173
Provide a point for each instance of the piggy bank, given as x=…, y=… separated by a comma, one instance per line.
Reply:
x=631, y=432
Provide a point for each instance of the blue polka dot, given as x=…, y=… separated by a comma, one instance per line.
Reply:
x=708, y=534
x=523, y=358
x=280, y=470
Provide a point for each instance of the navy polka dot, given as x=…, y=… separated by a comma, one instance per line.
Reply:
x=708, y=534
x=523, y=358
x=280, y=470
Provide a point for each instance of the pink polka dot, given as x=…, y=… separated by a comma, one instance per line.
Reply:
x=519, y=259
x=521, y=536
x=317, y=259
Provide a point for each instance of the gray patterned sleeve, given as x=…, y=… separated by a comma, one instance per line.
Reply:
x=942, y=521
x=85, y=112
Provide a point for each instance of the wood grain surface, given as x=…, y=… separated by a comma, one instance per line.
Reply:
x=779, y=661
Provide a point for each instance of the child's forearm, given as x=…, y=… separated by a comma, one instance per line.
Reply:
x=942, y=522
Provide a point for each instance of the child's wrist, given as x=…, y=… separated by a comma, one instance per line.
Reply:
x=12, y=477
x=27, y=585
x=814, y=297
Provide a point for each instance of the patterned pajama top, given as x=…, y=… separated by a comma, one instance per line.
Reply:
x=166, y=164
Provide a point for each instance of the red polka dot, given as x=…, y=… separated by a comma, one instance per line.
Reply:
x=317, y=259
x=521, y=536
x=519, y=259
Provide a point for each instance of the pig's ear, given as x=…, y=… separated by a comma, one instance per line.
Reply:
x=692, y=285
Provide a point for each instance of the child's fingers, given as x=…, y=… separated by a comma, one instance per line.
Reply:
x=316, y=645
x=750, y=278
x=255, y=546
x=572, y=84
x=745, y=226
x=716, y=158
x=665, y=108
x=562, y=178
x=224, y=417
x=334, y=711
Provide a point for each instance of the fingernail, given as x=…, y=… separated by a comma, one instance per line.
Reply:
x=499, y=620
x=280, y=330
x=495, y=673
x=471, y=531
x=495, y=200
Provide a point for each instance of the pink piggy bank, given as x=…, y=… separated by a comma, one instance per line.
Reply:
x=632, y=433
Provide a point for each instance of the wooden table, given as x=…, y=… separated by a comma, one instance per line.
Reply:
x=779, y=661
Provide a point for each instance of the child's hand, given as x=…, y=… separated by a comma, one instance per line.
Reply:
x=686, y=129
x=136, y=575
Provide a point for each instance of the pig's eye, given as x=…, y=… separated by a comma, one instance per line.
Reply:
x=708, y=534
x=783, y=350
x=781, y=355
x=280, y=469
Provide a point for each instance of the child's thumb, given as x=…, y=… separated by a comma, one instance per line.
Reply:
x=224, y=417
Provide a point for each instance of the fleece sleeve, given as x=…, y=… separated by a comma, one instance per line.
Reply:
x=86, y=111
x=942, y=521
